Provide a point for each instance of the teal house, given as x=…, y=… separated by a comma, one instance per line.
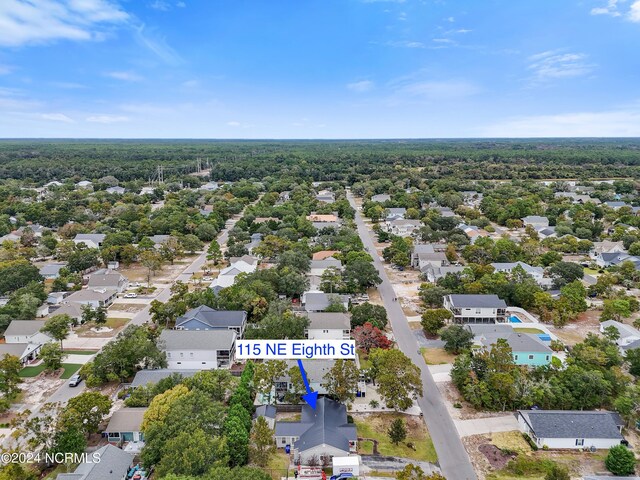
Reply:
x=526, y=349
x=124, y=427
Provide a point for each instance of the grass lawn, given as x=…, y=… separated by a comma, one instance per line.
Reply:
x=69, y=369
x=510, y=441
x=278, y=465
x=591, y=271
x=375, y=426
x=27, y=372
x=80, y=352
x=365, y=447
x=436, y=356
x=53, y=474
x=528, y=330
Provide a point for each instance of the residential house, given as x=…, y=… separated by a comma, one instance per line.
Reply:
x=318, y=267
x=433, y=274
x=248, y=259
x=571, y=429
x=151, y=377
x=159, y=240
x=323, y=218
x=526, y=349
x=322, y=433
x=209, y=187
x=74, y=310
x=536, y=272
x=403, y=228
x=56, y=298
x=606, y=246
x=320, y=301
x=395, y=214
x=26, y=352
x=476, y=308
x=473, y=232
x=124, y=426
x=91, y=240
x=326, y=196
x=26, y=331
x=204, y=349
x=284, y=196
x=381, y=198
x=114, y=464
x=546, y=232
x=605, y=260
x=51, y=271
x=324, y=254
x=617, y=205
x=268, y=412
x=115, y=190
x=536, y=221
x=147, y=190
x=422, y=249
x=98, y=297
x=227, y=276
x=629, y=337
x=207, y=318
x=328, y=326
x=108, y=279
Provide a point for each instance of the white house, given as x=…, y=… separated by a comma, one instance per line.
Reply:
x=320, y=301
x=51, y=271
x=328, y=326
x=203, y=349
x=395, y=214
x=403, y=228
x=108, y=279
x=536, y=221
x=536, y=272
x=227, y=276
x=209, y=186
x=476, y=308
x=115, y=190
x=26, y=331
x=99, y=297
x=569, y=429
x=91, y=240
x=628, y=334
x=114, y=464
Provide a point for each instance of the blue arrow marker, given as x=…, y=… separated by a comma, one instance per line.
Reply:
x=310, y=397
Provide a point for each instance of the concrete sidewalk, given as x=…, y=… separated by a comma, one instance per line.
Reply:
x=505, y=423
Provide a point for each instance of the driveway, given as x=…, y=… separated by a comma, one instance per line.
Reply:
x=394, y=464
x=505, y=423
x=452, y=456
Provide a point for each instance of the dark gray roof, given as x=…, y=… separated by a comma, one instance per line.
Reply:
x=573, y=424
x=521, y=342
x=479, y=301
x=24, y=327
x=329, y=426
x=268, y=411
x=126, y=420
x=291, y=429
x=113, y=465
x=214, y=318
x=144, y=377
x=329, y=320
x=197, y=339
x=505, y=329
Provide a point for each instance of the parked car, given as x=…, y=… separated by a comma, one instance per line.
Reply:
x=75, y=380
x=207, y=279
x=130, y=295
x=342, y=476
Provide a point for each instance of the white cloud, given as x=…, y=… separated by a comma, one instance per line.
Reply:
x=361, y=86
x=160, y=5
x=39, y=21
x=555, y=64
x=124, y=76
x=404, y=44
x=611, y=8
x=634, y=12
x=107, y=119
x=614, y=123
x=56, y=117
x=5, y=69
x=157, y=44
x=439, y=90
x=234, y=124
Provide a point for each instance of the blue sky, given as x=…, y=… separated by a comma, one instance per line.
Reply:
x=319, y=69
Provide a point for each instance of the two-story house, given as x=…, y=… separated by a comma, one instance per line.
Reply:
x=476, y=308
x=536, y=272
x=207, y=318
x=108, y=279
x=202, y=350
x=328, y=326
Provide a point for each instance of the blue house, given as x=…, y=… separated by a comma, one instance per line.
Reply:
x=526, y=349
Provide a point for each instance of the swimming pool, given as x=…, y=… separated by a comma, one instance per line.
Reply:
x=514, y=319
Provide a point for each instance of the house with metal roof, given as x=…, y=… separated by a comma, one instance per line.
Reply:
x=207, y=318
x=328, y=325
x=571, y=429
x=476, y=308
x=113, y=465
x=199, y=350
x=322, y=433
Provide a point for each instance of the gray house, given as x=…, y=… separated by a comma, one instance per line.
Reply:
x=124, y=425
x=322, y=433
x=206, y=318
x=476, y=308
x=320, y=301
x=114, y=465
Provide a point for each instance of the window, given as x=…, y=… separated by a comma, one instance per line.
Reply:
x=191, y=354
x=515, y=357
x=179, y=363
x=579, y=442
x=478, y=311
x=547, y=357
x=181, y=354
x=325, y=331
x=284, y=440
x=530, y=357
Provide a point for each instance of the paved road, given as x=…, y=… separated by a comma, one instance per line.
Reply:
x=452, y=456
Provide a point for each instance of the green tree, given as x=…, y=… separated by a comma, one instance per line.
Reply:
x=214, y=253
x=341, y=381
x=360, y=275
x=52, y=356
x=57, y=327
x=397, y=431
x=414, y=472
x=262, y=444
x=238, y=441
x=615, y=309
x=10, y=380
x=557, y=472
x=87, y=409
x=563, y=273
x=191, y=452
x=266, y=374
x=620, y=460
x=398, y=379
x=191, y=243
x=376, y=315
x=433, y=320
x=152, y=261
x=457, y=338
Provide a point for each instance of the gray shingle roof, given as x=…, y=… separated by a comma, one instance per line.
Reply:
x=113, y=465
x=51, y=268
x=521, y=342
x=477, y=301
x=329, y=320
x=126, y=420
x=198, y=339
x=267, y=411
x=213, y=318
x=573, y=424
x=94, y=237
x=24, y=327
x=329, y=426
x=144, y=377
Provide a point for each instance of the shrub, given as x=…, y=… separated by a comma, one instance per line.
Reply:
x=620, y=460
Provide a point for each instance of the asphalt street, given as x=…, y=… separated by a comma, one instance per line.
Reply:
x=452, y=456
